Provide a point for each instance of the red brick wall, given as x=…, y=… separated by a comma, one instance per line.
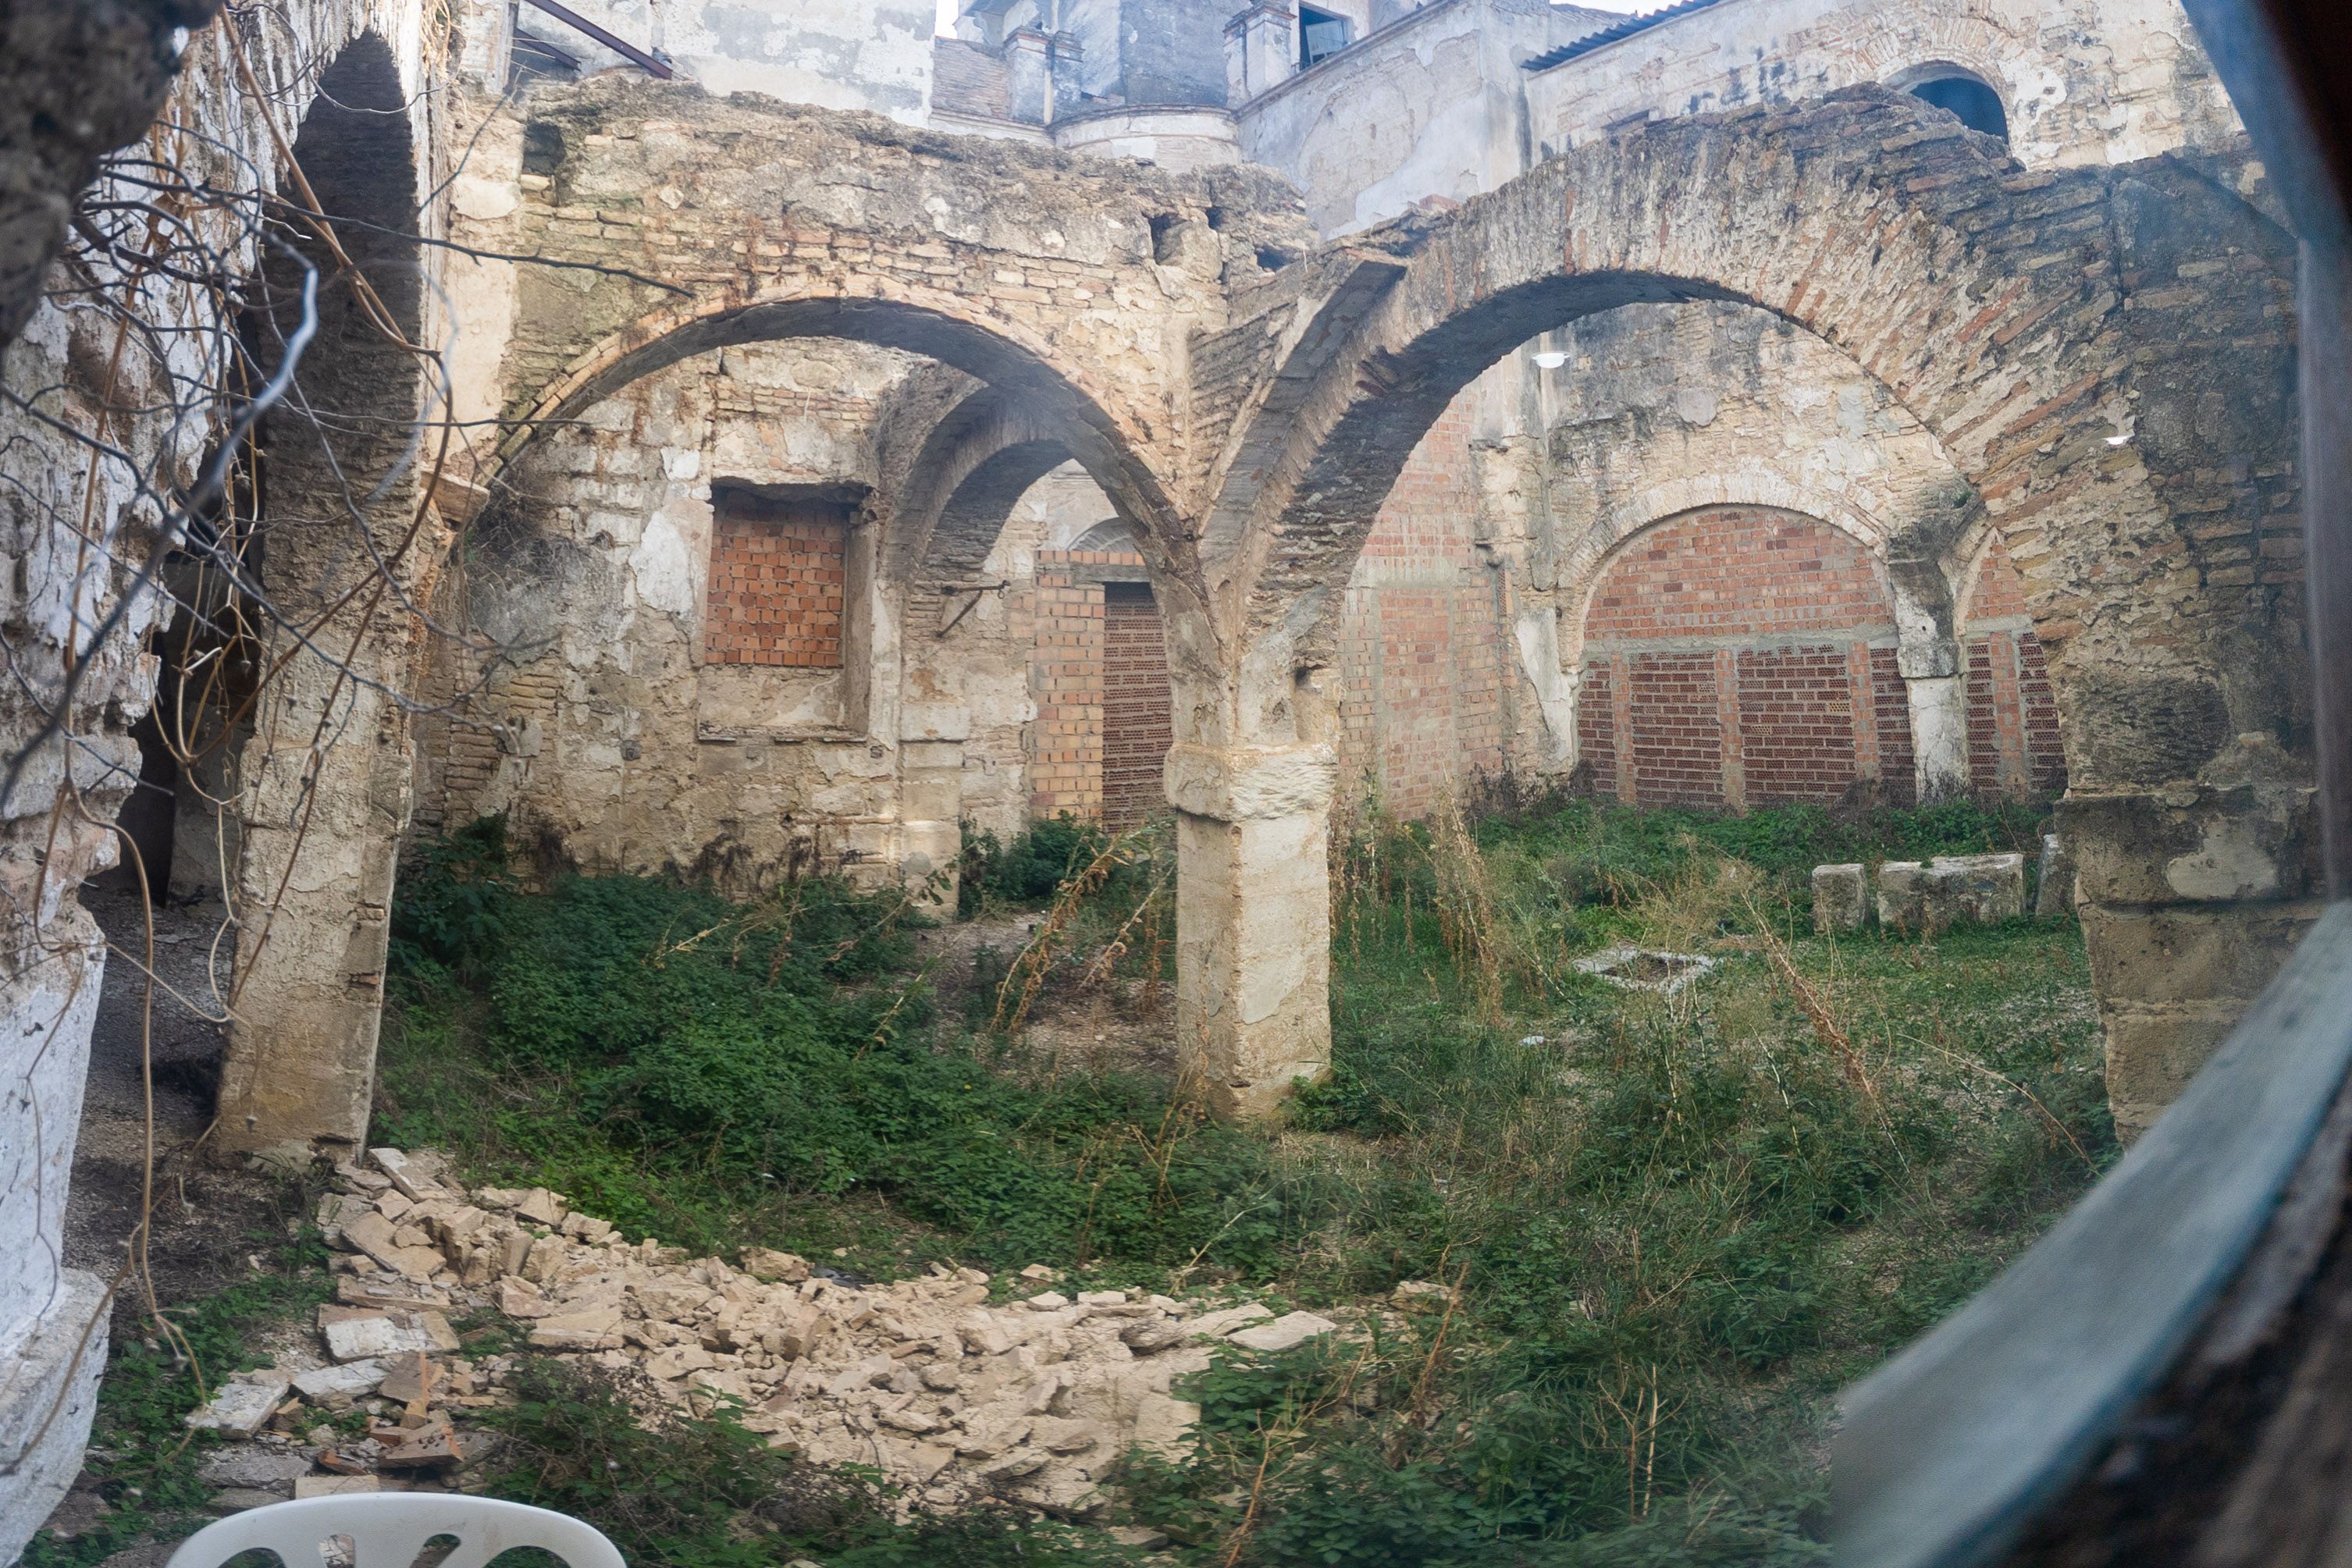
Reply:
x=778, y=581
x=1741, y=656
x=1677, y=730
x=1796, y=724
x=1136, y=711
x=2013, y=737
x=1425, y=665
x=1066, y=741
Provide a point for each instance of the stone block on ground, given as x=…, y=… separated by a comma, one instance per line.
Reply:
x=242, y=1408
x=1925, y=897
x=335, y=1486
x=1980, y=888
x=2053, y=893
x=350, y=1381
x=1841, y=898
x=1286, y=1333
x=251, y=1464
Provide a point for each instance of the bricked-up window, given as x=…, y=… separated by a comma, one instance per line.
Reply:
x=779, y=574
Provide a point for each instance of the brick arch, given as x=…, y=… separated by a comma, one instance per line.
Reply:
x=1627, y=525
x=1872, y=222
x=1742, y=655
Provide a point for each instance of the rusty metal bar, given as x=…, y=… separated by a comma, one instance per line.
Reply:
x=619, y=45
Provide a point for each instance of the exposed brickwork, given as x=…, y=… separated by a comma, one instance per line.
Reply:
x=1796, y=723
x=2014, y=743
x=1065, y=740
x=1136, y=711
x=1677, y=731
x=1898, y=761
x=1424, y=654
x=1759, y=646
x=778, y=575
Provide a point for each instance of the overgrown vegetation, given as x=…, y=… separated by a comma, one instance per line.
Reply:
x=1677, y=1223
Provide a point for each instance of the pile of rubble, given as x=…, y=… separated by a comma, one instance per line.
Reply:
x=1031, y=1399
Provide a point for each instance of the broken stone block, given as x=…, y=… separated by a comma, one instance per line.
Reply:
x=2055, y=890
x=544, y=1261
x=1841, y=898
x=350, y=1381
x=539, y=1206
x=1286, y=1333
x=250, y=1465
x=363, y=1335
x=1903, y=897
x=596, y=1330
x=406, y=1176
x=1422, y=1296
x=334, y=1486
x=236, y=1500
x=1950, y=890
x=1980, y=888
x=1151, y=1338
x=775, y=1267
x=241, y=1408
x=1217, y=1324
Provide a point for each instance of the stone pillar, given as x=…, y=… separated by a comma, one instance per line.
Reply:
x=1029, y=68
x=1252, y=920
x=1069, y=66
x=930, y=820
x=1940, y=733
x=320, y=835
x=1261, y=50
x=49, y=1369
x=2190, y=900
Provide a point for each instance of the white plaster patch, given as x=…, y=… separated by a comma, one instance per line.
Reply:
x=2228, y=864
x=662, y=569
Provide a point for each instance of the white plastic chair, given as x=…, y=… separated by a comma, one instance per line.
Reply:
x=388, y=1530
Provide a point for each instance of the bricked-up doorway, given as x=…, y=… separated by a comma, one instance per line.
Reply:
x=1137, y=711
x=1738, y=656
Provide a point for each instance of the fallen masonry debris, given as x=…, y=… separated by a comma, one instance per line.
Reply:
x=1031, y=1400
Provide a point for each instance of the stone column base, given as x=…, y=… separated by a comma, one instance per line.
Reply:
x=45, y=1375
x=1253, y=922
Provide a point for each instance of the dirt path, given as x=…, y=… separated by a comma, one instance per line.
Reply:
x=205, y=1217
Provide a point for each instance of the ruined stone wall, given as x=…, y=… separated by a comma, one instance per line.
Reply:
x=80, y=530
x=2083, y=81
x=629, y=731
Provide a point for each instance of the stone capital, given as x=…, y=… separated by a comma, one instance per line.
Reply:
x=1251, y=783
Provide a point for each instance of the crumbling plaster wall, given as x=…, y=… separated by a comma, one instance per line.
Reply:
x=607, y=734
x=79, y=531
x=2083, y=81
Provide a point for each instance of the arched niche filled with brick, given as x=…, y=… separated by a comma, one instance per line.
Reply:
x=2015, y=747
x=1742, y=656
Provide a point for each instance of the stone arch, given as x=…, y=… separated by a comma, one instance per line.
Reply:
x=1022, y=367
x=1986, y=301
x=322, y=779
x=1992, y=346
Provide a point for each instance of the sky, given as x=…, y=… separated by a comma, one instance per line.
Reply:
x=947, y=9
